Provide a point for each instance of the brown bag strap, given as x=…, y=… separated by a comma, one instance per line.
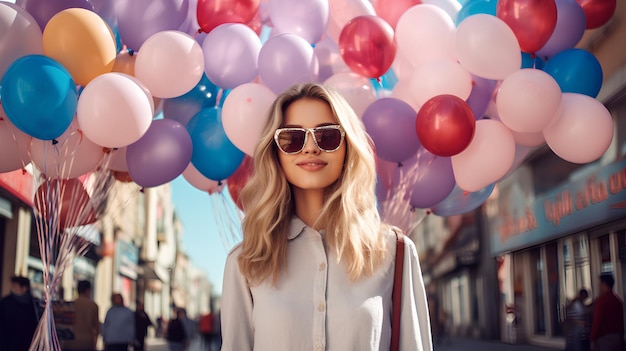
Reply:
x=396, y=295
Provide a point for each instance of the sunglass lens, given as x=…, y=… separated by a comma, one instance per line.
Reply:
x=328, y=139
x=291, y=141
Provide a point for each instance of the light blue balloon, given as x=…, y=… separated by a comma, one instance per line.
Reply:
x=474, y=7
x=39, y=96
x=576, y=71
x=214, y=155
x=459, y=201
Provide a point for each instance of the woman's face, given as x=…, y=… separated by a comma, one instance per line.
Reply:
x=311, y=168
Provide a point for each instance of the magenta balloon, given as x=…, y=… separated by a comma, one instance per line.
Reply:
x=137, y=20
x=391, y=124
x=161, y=154
x=43, y=10
x=435, y=179
x=570, y=27
x=287, y=59
x=482, y=92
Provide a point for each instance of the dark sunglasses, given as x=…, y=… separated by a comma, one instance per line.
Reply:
x=292, y=140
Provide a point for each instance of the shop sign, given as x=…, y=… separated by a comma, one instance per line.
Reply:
x=598, y=198
x=20, y=184
x=127, y=259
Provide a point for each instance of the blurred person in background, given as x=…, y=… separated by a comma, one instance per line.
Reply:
x=118, y=330
x=86, y=324
x=18, y=316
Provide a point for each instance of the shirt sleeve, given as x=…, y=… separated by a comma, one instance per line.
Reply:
x=415, y=331
x=236, y=314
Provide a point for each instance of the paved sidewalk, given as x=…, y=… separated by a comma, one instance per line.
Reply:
x=457, y=344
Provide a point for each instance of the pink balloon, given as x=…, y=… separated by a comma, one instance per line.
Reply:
x=245, y=113
x=583, y=131
x=356, y=89
x=113, y=111
x=14, y=145
x=200, y=182
x=402, y=91
x=528, y=139
x=306, y=18
x=528, y=100
x=20, y=35
x=487, y=158
x=73, y=155
x=438, y=78
x=342, y=11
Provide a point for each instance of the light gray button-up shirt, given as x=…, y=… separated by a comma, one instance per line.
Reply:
x=316, y=306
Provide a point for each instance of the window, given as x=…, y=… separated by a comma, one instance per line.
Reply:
x=539, y=313
x=554, y=289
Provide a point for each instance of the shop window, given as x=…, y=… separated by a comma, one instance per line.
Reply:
x=606, y=264
x=554, y=289
x=539, y=313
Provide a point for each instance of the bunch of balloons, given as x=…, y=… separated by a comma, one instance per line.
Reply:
x=459, y=92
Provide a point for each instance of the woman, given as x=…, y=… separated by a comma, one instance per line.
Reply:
x=315, y=268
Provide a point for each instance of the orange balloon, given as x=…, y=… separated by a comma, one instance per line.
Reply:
x=82, y=42
x=125, y=63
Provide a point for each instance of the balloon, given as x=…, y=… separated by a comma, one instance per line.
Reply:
x=390, y=123
x=43, y=10
x=184, y=107
x=71, y=156
x=570, y=27
x=113, y=111
x=521, y=152
x=64, y=201
x=19, y=35
x=425, y=33
x=82, y=42
x=451, y=7
x=582, y=132
x=200, y=182
x=445, y=125
x=138, y=20
x=392, y=10
x=532, y=61
x=214, y=155
x=212, y=13
x=238, y=180
x=528, y=100
x=388, y=178
x=245, y=113
x=487, y=47
x=598, y=12
x=117, y=160
x=487, y=158
x=460, y=201
x=434, y=180
x=438, y=78
x=576, y=71
x=306, y=18
x=356, y=89
x=39, y=96
x=474, y=7
x=532, y=21
x=13, y=146
x=161, y=154
x=482, y=92
x=402, y=91
x=231, y=54
x=125, y=63
x=330, y=61
x=529, y=139
x=342, y=11
x=169, y=63
x=287, y=59
x=367, y=46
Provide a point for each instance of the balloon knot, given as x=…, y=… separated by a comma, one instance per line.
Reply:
x=473, y=82
x=24, y=171
x=428, y=212
x=533, y=55
x=131, y=52
x=313, y=45
x=54, y=141
x=379, y=80
x=400, y=164
x=142, y=190
x=199, y=30
x=412, y=209
x=219, y=183
x=1, y=118
x=106, y=150
x=465, y=193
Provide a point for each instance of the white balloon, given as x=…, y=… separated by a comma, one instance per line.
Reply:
x=356, y=89
x=452, y=7
x=20, y=35
x=438, y=78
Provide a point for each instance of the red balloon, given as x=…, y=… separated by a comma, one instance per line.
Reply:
x=532, y=21
x=367, y=45
x=598, y=12
x=391, y=10
x=65, y=200
x=212, y=13
x=239, y=178
x=445, y=125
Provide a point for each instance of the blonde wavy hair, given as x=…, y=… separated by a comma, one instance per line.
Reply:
x=350, y=217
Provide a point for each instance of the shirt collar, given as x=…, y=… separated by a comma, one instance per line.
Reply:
x=296, y=226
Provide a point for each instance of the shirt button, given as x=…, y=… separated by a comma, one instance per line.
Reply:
x=322, y=266
x=321, y=307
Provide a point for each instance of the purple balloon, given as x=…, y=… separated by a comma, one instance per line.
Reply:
x=434, y=181
x=391, y=124
x=137, y=20
x=161, y=154
x=482, y=92
x=460, y=201
x=44, y=10
x=570, y=27
x=287, y=59
x=231, y=55
x=306, y=18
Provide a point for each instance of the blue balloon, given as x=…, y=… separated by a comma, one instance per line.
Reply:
x=576, y=71
x=528, y=61
x=39, y=96
x=214, y=155
x=183, y=108
x=474, y=7
x=459, y=201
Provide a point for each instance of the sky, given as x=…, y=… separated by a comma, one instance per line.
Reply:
x=203, y=217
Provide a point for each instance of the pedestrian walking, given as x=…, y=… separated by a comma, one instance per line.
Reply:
x=118, y=330
x=577, y=324
x=607, y=328
x=142, y=322
x=18, y=316
x=86, y=325
x=315, y=269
